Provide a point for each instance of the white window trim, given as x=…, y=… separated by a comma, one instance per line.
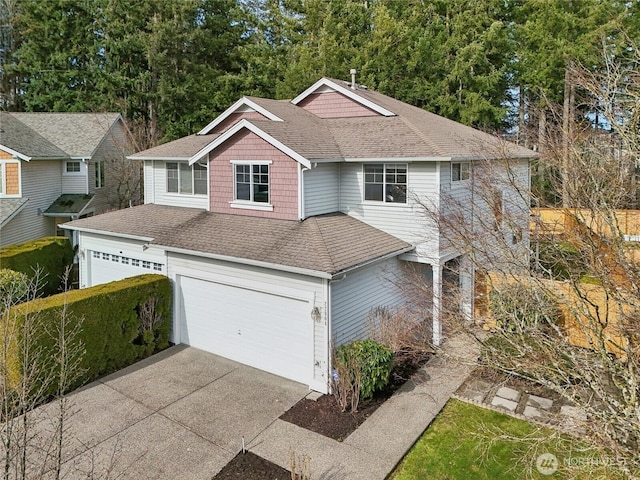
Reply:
x=248, y=204
x=99, y=167
x=193, y=178
x=384, y=184
x=79, y=173
x=3, y=179
x=461, y=181
x=265, y=207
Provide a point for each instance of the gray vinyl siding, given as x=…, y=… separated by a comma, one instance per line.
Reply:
x=405, y=221
x=321, y=189
x=113, y=149
x=74, y=183
x=42, y=185
x=262, y=279
x=158, y=181
x=362, y=290
x=455, y=206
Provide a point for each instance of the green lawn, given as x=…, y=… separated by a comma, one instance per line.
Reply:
x=469, y=442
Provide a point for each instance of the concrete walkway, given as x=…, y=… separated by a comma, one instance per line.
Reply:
x=376, y=447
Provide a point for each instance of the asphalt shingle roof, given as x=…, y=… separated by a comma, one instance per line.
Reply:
x=21, y=138
x=77, y=134
x=9, y=207
x=182, y=148
x=69, y=204
x=411, y=132
x=326, y=243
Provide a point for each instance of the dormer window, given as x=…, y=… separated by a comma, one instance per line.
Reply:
x=385, y=182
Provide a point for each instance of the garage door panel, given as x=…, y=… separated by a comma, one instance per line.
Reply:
x=105, y=267
x=264, y=330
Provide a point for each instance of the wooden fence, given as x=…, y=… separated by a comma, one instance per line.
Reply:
x=561, y=220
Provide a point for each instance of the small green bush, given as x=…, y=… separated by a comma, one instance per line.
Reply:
x=49, y=255
x=373, y=361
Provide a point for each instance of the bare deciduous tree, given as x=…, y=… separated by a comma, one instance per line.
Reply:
x=564, y=298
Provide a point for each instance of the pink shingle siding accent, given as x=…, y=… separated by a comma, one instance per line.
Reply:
x=283, y=176
x=235, y=118
x=334, y=105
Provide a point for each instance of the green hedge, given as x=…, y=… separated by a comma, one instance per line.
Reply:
x=111, y=332
x=50, y=254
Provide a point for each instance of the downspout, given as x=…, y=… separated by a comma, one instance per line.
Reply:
x=301, y=170
x=436, y=270
x=86, y=177
x=327, y=288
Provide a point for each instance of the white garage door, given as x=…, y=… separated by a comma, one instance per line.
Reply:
x=105, y=267
x=266, y=331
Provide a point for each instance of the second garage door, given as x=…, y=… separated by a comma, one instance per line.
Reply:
x=264, y=330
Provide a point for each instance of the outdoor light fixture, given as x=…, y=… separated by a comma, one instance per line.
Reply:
x=315, y=314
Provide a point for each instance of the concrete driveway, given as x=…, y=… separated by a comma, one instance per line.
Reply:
x=180, y=415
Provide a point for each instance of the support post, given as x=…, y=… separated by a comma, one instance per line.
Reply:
x=437, y=300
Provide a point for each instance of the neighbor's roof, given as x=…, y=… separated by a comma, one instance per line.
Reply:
x=24, y=141
x=410, y=132
x=326, y=243
x=77, y=134
x=181, y=149
x=10, y=207
x=69, y=204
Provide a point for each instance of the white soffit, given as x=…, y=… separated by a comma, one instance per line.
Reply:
x=241, y=106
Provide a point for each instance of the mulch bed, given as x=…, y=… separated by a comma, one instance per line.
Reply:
x=323, y=416
x=250, y=466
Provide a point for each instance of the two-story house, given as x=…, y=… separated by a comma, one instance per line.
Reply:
x=58, y=166
x=283, y=223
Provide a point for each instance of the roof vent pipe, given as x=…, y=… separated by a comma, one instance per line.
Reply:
x=353, y=78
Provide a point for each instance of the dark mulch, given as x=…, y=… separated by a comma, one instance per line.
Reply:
x=324, y=416
x=250, y=466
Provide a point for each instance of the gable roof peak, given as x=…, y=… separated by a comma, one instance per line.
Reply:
x=345, y=89
x=244, y=104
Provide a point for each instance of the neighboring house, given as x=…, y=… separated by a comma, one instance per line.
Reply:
x=59, y=166
x=283, y=223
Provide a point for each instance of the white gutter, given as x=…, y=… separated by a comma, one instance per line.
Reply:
x=164, y=159
x=246, y=261
x=398, y=159
x=106, y=233
x=372, y=261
